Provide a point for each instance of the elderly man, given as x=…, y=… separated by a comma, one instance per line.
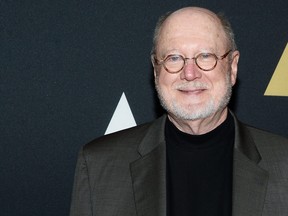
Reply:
x=198, y=159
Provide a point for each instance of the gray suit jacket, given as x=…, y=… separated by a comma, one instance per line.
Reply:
x=123, y=173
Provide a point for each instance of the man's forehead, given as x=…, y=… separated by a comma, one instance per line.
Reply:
x=197, y=22
x=189, y=17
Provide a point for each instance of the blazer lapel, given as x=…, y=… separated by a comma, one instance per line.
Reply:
x=249, y=180
x=149, y=173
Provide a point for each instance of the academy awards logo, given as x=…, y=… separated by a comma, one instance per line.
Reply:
x=122, y=117
x=278, y=85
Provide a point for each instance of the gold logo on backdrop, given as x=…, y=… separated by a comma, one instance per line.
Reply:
x=278, y=85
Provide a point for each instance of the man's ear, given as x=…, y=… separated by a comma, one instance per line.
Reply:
x=152, y=57
x=234, y=66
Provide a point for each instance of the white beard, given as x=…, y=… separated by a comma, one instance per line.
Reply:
x=195, y=112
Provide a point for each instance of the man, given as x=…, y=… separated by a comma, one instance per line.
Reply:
x=198, y=159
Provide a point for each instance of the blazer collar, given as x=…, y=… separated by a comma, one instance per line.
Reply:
x=149, y=173
x=249, y=180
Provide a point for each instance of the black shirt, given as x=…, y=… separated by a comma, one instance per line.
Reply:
x=199, y=171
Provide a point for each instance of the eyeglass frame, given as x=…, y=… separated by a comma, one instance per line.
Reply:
x=162, y=62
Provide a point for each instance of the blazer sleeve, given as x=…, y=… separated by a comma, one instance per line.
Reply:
x=81, y=204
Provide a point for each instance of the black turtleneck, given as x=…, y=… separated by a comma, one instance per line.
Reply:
x=199, y=171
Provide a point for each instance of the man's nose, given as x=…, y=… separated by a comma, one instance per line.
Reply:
x=190, y=71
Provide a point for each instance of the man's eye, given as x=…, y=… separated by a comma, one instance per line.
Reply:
x=174, y=58
x=205, y=57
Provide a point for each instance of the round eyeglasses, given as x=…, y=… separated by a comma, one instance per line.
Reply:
x=205, y=61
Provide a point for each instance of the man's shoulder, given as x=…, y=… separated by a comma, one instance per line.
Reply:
x=271, y=146
x=123, y=136
x=124, y=139
x=264, y=136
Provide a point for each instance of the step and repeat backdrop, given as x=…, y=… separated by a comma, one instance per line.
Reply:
x=71, y=71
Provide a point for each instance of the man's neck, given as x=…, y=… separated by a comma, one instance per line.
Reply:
x=200, y=126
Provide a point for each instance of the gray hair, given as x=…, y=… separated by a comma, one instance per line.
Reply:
x=157, y=30
x=222, y=18
x=228, y=31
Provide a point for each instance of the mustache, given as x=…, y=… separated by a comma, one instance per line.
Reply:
x=191, y=85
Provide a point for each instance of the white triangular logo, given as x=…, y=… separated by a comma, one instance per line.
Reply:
x=122, y=117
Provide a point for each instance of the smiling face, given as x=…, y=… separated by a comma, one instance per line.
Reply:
x=192, y=93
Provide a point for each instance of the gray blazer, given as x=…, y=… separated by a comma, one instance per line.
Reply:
x=123, y=173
